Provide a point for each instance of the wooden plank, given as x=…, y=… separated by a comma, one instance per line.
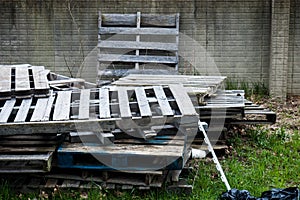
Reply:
x=158, y=20
x=62, y=105
x=130, y=20
x=124, y=103
x=134, y=58
x=6, y=110
x=104, y=110
x=163, y=101
x=22, y=79
x=140, y=31
x=184, y=102
x=138, y=45
x=42, y=109
x=43, y=157
x=23, y=110
x=138, y=25
x=5, y=79
x=118, y=19
x=142, y=102
x=40, y=77
x=84, y=104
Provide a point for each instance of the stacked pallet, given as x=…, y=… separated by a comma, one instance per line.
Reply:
x=209, y=97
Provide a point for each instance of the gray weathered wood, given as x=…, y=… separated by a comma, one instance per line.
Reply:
x=104, y=110
x=138, y=45
x=62, y=106
x=23, y=110
x=124, y=103
x=163, y=101
x=40, y=77
x=6, y=110
x=134, y=58
x=130, y=20
x=42, y=109
x=84, y=104
x=5, y=79
x=140, y=31
x=138, y=25
x=143, y=104
x=43, y=157
x=184, y=102
x=118, y=19
x=51, y=183
x=22, y=79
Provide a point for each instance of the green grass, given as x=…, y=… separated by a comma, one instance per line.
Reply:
x=259, y=159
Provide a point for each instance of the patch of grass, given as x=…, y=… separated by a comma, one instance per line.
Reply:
x=259, y=159
x=258, y=90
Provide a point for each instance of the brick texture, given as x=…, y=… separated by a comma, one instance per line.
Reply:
x=230, y=38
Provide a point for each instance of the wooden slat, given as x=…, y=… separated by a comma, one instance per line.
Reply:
x=22, y=79
x=140, y=31
x=104, y=110
x=130, y=20
x=124, y=103
x=84, y=104
x=62, y=105
x=138, y=45
x=138, y=25
x=158, y=20
x=6, y=110
x=51, y=183
x=163, y=101
x=184, y=102
x=42, y=109
x=5, y=79
x=23, y=110
x=134, y=58
x=43, y=157
x=143, y=102
x=40, y=77
x=118, y=19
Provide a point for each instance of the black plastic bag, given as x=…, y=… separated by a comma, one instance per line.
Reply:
x=292, y=193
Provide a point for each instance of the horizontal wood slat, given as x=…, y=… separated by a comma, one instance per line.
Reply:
x=134, y=58
x=138, y=31
x=138, y=45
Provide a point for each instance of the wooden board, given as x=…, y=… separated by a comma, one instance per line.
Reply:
x=6, y=110
x=104, y=110
x=84, y=104
x=22, y=79
x=42, y=109
x=135, y=58
x=23, y=110
x=125, y=111
x=62, y=106
x=142, y=100
x=5, y=79
x=183, y=100
x=163, y=101
x=40, y=77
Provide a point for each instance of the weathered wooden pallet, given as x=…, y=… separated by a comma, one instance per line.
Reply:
x=85, y=110
x=139, y=41
x=255, y=114
x=108, y=180
x=27, y=153
x=19, y=81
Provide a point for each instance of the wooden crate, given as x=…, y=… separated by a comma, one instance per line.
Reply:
x=19, y=81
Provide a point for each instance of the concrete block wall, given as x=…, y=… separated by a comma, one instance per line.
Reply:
x=234, y=35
